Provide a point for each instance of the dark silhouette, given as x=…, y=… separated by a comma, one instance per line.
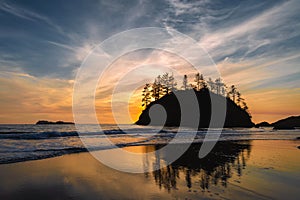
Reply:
x=287, y=123
x=216, y=168
x=263, y=124
x=219, y=86
x=237, y=114
x=185, y=83
x=49, y=122
x=200, y=82
x=232, y=93
x=146, y=96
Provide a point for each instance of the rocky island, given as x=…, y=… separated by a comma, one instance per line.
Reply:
x=291, y=122
x=50, y=122
x=163, y=92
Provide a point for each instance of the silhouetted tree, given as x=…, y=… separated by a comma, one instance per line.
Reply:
x=197, y=81
x=223, y=90
x=239, y=99
x=245, y=107
x=203, y=84
x=146, y=96
x=219, y=85
x=165, y=83
x=172, y=83
x=185, y=82
x=232, y=92
x=200, y=82
x=157, y=89
x=211, y=84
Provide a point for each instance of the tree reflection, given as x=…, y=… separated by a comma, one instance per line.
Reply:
x=216, y=168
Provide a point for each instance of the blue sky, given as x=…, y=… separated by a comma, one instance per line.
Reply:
x=255, y=44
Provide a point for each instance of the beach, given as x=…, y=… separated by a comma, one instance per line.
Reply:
x=252, y=169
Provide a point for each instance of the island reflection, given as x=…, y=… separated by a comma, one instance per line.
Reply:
x=226, y=159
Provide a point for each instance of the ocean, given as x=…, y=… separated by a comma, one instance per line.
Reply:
x=20, y=143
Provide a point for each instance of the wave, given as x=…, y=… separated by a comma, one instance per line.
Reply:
x=26, y=135
x=53, y=134
x=13, y=157
x=39, y=135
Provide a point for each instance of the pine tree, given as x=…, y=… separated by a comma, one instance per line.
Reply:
x=172, y=83
x=197, y=80
x=219, y=85
x=239, y=98
x=223, y=90
x=211, y=84
x=203, y=84
x=246, y=108
x=146, y=96
x=165, y=83
x=185, y=82
x=155, y=90
x=158, y=88
x=232, y=92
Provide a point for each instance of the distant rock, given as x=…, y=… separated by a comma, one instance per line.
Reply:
x=235, y=115
x=287, y=123
x=49, y=122
x=263, y=124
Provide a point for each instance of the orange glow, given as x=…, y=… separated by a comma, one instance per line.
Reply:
x=26, y=99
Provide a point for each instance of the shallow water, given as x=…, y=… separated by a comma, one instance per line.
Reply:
x=253, y=169
x=31, y=142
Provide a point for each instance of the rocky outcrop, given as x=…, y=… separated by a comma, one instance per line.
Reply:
x=49, y=122
x=235, y=115
x=287, y=123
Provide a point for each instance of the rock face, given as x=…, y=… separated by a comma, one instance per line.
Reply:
x=49, y=122
x=287, y=123
x=235, y=116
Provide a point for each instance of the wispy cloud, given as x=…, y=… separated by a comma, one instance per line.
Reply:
x=254, y=44
x=29, y=98
x=28, y=15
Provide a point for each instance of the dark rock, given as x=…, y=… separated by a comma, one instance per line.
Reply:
x=287, y=123
x=263, y=124
x=49, y=122
x=235, y=115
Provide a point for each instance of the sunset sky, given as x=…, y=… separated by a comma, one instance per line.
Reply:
x=254, y=44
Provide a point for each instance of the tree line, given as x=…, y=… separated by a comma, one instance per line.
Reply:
x=166, y=84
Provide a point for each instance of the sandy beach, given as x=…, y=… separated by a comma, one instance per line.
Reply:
x=258, y=169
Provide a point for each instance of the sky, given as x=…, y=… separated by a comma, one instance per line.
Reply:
x=254, y=44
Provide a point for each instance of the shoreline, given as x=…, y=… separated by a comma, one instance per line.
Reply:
x=260, y=169
x=70, y=151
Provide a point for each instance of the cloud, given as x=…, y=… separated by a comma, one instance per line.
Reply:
x=28, y=15
x=254, y=44
x=29, y=98
x=273, y=104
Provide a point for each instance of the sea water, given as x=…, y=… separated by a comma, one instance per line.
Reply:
x=31, y=142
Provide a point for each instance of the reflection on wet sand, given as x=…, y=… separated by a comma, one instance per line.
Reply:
x=216, y=168
x=272, y=172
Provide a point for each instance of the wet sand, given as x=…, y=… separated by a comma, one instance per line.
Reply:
x=259, y=169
